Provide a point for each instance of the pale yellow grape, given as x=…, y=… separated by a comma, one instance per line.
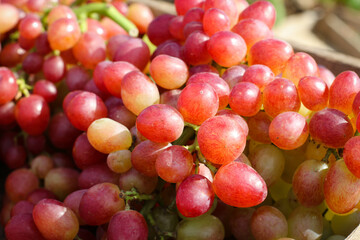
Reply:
x=107, y=135
x=119, y=161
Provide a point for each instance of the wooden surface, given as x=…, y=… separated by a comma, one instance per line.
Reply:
x=355, y=235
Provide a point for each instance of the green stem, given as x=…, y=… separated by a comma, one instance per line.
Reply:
x=195, y=127
x=208, y=164
x=187, y=134
x=83, y=22
x=110, y=12
x=328, y=153
x=193, y=147
x=197, y=166
x=23, y=87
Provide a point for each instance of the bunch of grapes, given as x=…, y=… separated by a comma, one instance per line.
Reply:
x=116, y=124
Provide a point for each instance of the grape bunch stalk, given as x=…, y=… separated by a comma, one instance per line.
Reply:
x=119, y=124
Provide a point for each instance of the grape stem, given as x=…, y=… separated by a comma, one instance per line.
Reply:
x=133, y=194
x=193, y=147
x=186, y=135
x=23, y=87
x=195, y=127
x=208, y=164
x=328, y=153
x=77, y=238
x=110, y=12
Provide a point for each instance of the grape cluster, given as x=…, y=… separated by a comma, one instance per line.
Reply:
x=116, y=124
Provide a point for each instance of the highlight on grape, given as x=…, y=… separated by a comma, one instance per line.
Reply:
x=116, y=123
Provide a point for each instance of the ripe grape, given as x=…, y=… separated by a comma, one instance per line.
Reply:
x=107, y=135
x=239, y=185
x=95, y=174
x=228, y=6
x=331, y=127
x=158, y=30
x=174, y=164
x=245, y=99
x=198, y=102
x=8, y=85
x=32, y=113
x=54, y=69
x=141, y=15
x=261, y=10
x=182, y=6
x=227, y=48
x=351, y=154
x=138, y=92
x=119, y=161
x=259, y=127
x=63, y=34
x=289, y=130
x=215, y=20
x=61, y=181
x=30, y=27
x=195, y=49
x=194, y=196
x=221, y=139
x=258, y=74
x=313, y=93
x=134, y=179
x=22, y=227
x=9, y=17
x=160, y=123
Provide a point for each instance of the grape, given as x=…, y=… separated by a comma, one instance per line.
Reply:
x=22, y=227
x=144, y=156
x=63, y=34
x=198, y=102
x=54, y=220
x=36, y=5
x=107, y=135
x=195, y=49
x=268, y=161
x=39, y=194
x=221, y=139
x=233, y=75
x=112, y=28
x=182, y=6
x=228, y=6
x=205, y=227
x=293, y=158
x=308, y=182
x=331, y=127
x=240, y=223
x=141, y=15
x=7, y=115
x=61, y=181
x=32, y=114
x=41, y=165
x=272, y=216
x=134, y=51
x=174, y=164
x=121, y=6
x=258, y=74
x=33, y=63
x=127, y=224
x=54, y=69
x=219, y=85
x=9, y=17
x=298, y=66
x=305, y=224
x=343, y=91
x=89, y=50
x=169, y=72
x=202, y=68
x=68, y=56
x=252, y=31
x=122, y=115
x=245, y=99
x=113, y=43
x=227, y=48
x=259, y=127
x=350, y=155
x=158, y=29
x=8, y=85
x=11, y=54
x=279, y=96
x=84, y=154
x=239, y=185
x=289, y=130
x=60, y=11
x=61, y=132
x=160, y=123
x=169, y=47
x=176, y=28
x=195, y=196
x=46, y=89
x=192, y=27
x=100, y=203
x=270, y=52
x=170, y=97
x=215, y=20
x=72, y=201
x=84, y=108
x=95, y=174
x=339, y=185
x=194, y=14
x=138, y=92
x=15, y=157
x=326, y=75
x=96, y=27
x=30, y=27
x=76, y=78
x=261, y=10
x=313, y=92
x=134, y=179
x=22, y=207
